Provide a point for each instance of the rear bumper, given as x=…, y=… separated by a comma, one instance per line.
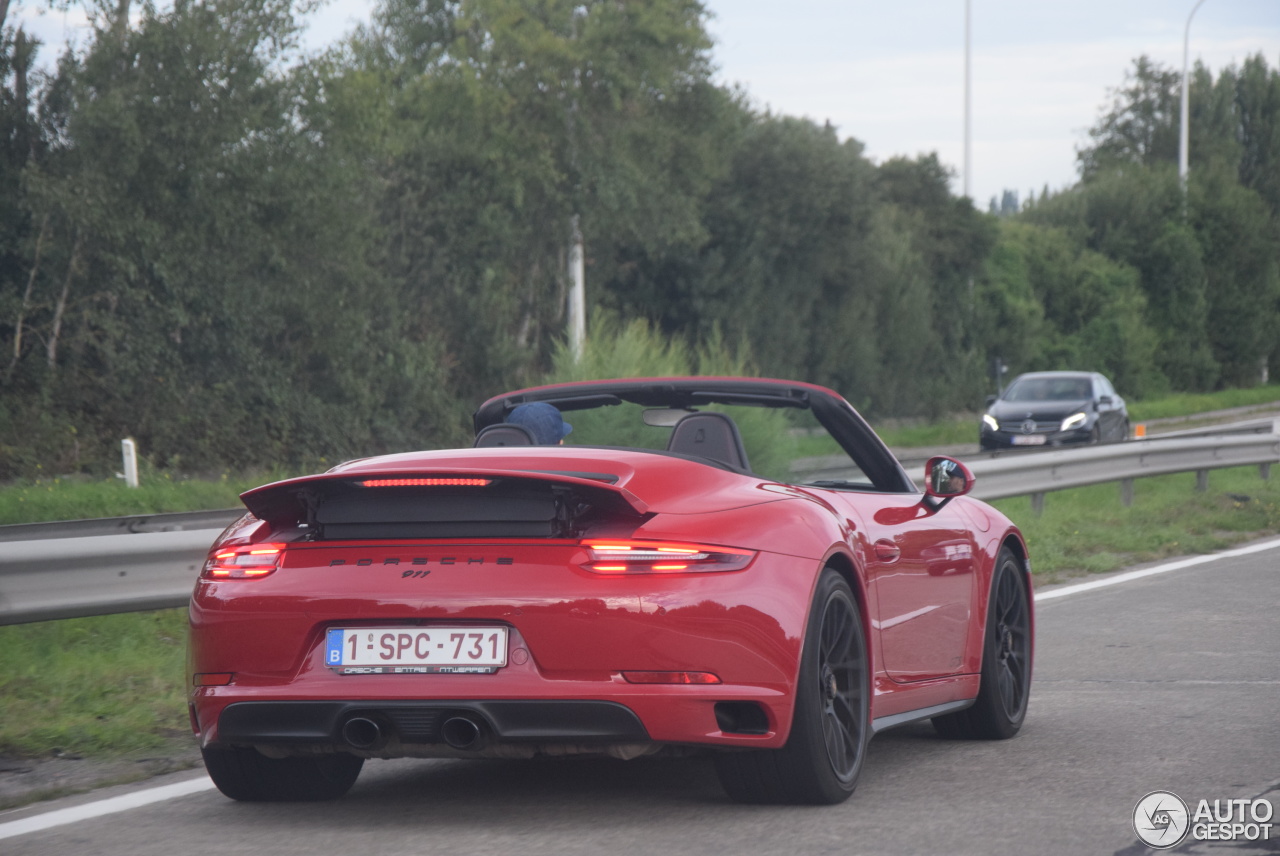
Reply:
x=266, y=722
x=714, y=716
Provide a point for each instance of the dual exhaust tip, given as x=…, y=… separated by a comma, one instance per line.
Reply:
x=462, y=731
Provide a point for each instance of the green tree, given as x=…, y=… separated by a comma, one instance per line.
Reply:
x=1141, y=125
x=1207, y=259
x=1241, y=244
x=1062, y=306
x=953, y=241
x=200, y=290
x=509, y=119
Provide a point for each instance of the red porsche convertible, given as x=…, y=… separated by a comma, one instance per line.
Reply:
x=665, y=580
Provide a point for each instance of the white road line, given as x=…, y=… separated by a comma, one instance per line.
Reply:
x=101, y=807
x=182, y=789
x=1066, y=591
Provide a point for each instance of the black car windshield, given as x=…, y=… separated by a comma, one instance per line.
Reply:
x=1049, y=389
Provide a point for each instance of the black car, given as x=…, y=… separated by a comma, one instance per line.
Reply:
x=1054, y=409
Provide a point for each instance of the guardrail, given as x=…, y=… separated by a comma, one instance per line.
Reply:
x=99, y=574
x=76, y=568
x=1036, y=475
x=84, y=567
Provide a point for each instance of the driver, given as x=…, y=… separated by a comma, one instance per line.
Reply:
x=543, y=421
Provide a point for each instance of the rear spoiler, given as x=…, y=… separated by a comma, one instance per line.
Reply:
x=443, y=503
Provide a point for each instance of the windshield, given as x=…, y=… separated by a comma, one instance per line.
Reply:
x=1049, y=389
x=785, y=445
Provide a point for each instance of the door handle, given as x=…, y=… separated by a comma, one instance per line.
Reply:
x=887, y=551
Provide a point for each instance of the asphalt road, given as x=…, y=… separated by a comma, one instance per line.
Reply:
x=1171, y=682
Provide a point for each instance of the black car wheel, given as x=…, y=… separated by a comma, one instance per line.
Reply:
x=247, y=775
x=829, y=733
x=1001, y=706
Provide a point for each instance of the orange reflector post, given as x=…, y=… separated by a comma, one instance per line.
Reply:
x=1139, y=431
x=670, y=678
x=213, y=679
x=427, y=482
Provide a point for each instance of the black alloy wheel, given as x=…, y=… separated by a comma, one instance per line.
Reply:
x=1001, y=706
x=840, y=682
x=1013, y=645
x=823, y=756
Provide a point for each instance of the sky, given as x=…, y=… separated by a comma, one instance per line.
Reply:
x=891, y=74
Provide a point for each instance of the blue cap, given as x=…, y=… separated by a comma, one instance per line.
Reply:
x=543, y=421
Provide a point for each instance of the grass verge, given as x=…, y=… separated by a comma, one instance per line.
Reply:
x=1087, y=530
x=1187, y=404
x=46, y=500
x=99, y=686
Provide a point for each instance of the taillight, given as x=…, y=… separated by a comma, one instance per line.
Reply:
x=246, y=562
x=654, y=557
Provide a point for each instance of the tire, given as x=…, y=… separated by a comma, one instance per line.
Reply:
x=831, y=727
x=1005, y=686
x=249, y=776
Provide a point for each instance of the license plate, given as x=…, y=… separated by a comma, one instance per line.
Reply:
x=1027, y=440
x=416, y=650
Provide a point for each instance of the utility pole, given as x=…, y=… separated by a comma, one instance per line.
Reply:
x=968, y=92
x=577, y=290
x=1184, y=128
x=577, y=264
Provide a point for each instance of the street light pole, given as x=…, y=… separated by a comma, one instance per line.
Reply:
x=968, y=86
x=1184, y=127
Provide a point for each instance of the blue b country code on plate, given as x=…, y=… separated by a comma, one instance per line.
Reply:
x=333, y=648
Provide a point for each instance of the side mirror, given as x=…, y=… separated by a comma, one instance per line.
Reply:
x=946, y=477
x=991, y=399
x=1104, y=399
